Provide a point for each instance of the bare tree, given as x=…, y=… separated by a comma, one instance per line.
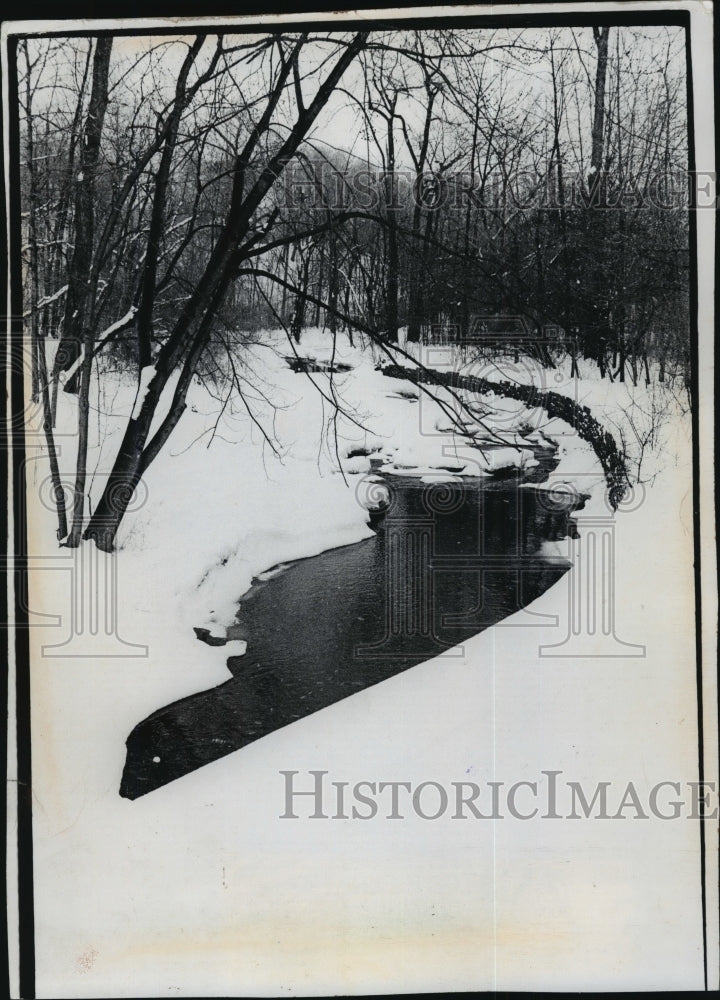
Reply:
x=40, y=383
x=78, y=301
x=189, y=337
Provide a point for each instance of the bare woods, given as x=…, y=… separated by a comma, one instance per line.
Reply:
x=180, y=194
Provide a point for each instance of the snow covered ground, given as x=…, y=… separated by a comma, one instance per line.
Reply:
x=200, y=888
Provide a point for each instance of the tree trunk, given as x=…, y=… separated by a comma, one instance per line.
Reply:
x=468, y=275
x=601, y=36
x=37, y=340
x=78, y=294
x=596, y=285
x=298, y=317
x=58, y=491
x=143, y=318
x=34, y=296
x=81, y=266
x=321, y=279
x=417, y=274
x=392, y=285
x=61, y=253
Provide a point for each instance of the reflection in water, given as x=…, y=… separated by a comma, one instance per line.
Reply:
x=448, y=561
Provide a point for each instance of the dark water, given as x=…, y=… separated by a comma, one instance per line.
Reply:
x=446, y=562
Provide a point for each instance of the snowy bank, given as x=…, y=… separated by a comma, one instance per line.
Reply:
x=200, y=886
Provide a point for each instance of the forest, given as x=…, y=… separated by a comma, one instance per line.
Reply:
x=509, y=190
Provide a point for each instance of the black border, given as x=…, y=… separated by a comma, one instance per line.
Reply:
x=73, y=10
x=26, y=915
x=695, y=420
x=4, y=603
x=680, y=18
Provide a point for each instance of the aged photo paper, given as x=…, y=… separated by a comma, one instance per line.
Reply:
x=361, y=617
